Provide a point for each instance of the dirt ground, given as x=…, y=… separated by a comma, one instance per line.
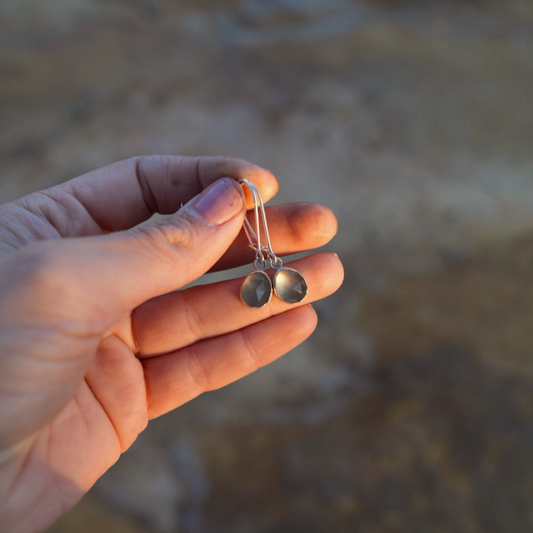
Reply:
x=411, y=410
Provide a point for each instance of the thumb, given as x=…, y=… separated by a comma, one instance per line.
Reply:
x=58, y=297
x=112, y=274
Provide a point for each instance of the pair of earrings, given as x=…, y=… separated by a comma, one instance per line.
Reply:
x=288, y=284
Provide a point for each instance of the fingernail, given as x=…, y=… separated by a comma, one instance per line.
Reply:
x=220, y=202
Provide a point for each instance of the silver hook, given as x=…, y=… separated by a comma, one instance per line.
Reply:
x=250, y=233
x=260, y=249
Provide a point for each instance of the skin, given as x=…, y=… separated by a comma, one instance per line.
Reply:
x=94, y=343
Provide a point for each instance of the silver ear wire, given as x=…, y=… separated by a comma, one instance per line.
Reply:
x=254, y=237
x=260, y=249
x=256, y=289
x=289, y=284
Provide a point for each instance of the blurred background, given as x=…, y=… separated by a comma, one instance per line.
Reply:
x=411, y=409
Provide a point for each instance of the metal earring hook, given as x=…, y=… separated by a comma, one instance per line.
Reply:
x=254, y=237
x=261, y=250
x=256, y=290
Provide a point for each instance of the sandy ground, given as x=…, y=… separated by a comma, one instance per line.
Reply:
x=411, y=410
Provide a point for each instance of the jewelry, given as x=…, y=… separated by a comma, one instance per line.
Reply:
x=256, y=291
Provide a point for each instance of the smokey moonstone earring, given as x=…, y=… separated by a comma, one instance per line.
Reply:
x=289, y=285
x=256, y=290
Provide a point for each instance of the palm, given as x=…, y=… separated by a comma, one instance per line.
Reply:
x=87, y=437
x=83, y=440
x=149, y=358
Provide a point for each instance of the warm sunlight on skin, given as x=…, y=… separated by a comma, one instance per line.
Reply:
x=93, y=343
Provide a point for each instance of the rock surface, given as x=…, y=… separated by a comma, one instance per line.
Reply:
x=412, y=408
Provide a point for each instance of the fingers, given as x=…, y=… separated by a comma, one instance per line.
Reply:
x=179, y=319
x=293, y=228
x=127, y=193
x=103, y=277
x=176, y=378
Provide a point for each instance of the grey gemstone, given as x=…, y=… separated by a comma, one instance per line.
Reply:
x=256, y=290
x=290, y=285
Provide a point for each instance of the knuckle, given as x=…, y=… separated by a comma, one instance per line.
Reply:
x=167, y=235
x=251, y=352
x=193, y=319
x=167, y=241
x=180, y=232
x=198, y=373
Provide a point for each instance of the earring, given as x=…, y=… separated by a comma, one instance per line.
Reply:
x=289, y=285
x=256, y=290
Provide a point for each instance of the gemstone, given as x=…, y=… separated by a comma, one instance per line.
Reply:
x=290, y=285
x=256, y=289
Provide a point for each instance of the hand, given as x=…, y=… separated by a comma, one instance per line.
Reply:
x=93, y=343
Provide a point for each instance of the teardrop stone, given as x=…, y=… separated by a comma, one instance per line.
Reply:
x=290, y=285
x=256, y=289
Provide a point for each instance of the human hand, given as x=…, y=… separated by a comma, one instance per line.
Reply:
x=92, y=342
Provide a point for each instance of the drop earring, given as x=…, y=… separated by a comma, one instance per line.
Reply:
x=256, y=290
x=289, y=285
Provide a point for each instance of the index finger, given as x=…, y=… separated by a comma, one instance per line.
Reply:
x=127, y=193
